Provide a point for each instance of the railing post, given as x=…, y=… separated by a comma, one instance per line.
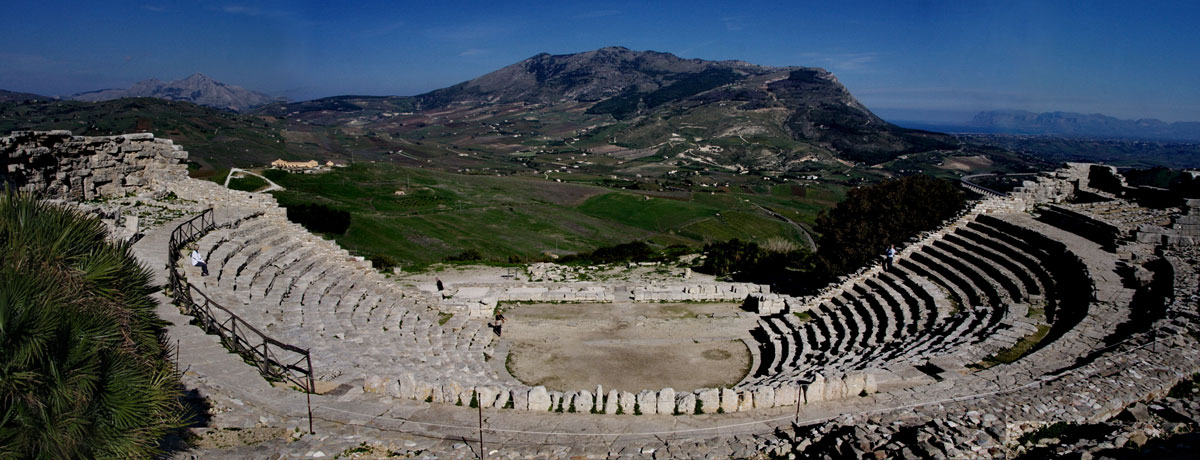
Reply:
x=309, y=391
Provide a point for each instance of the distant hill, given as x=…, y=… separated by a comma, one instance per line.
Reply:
x=13, y=96
x=1081, y=125
x=198, y=89
x=651, y=96
x=214, y=138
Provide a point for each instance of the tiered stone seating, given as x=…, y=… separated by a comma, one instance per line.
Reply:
x=953, y=301
x=303, y=290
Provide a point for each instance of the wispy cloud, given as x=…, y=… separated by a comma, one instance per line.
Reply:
x=470, y=32
x=735, y=23
x=597, y=14
x=472, y=52
x=843, y=62
x=155, y=8
x=243, y=10
x=382, y=30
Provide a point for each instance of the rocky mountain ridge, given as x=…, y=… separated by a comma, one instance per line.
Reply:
x=197, y=88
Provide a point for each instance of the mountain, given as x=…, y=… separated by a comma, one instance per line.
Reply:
x=739, y=114
x=1082, y=125
x=13, y=96
x=198, y=89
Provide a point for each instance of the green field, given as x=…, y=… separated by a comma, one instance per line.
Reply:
x=418, y=216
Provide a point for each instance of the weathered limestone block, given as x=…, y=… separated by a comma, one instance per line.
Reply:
x=539, y=399
x=764, y=397
x=486, y=395
x=451, y=392
x=583, y=401
x=666, y=401
x=610, y=405
x=729, y=400
x=627, y=402
x=685, y=403
x=745, y=401
x=648, y=402
x=855, y=384
x=788, y=394
x=835, y=388
x=815, y=392
x=502, y=398
x=709, y=400
x=520, y=397
x=375, y=384
x=423, y=392
x=438, y=395
x=408, y=387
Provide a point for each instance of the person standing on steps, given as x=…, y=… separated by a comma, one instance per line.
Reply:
x=890, y=257
x=198, y=261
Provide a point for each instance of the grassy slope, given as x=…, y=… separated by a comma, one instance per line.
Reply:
x=442, y=214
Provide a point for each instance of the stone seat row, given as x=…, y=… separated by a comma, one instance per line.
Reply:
x=905, y=315
x=302, y=290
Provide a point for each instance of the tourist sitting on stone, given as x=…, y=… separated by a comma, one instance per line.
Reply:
x=497, y=324
x=198, y=261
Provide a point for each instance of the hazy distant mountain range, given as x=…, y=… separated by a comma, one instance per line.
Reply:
x=198, y=89
x=13, y=96
x=1071, y=124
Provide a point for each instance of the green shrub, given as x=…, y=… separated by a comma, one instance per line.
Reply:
x=247, y=183
x=859, y=229
x=319, y=218
x=85, y=370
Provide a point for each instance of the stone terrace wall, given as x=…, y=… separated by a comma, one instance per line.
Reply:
x=59, y=165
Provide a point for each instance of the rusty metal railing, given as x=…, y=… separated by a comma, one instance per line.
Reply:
x=275, y=360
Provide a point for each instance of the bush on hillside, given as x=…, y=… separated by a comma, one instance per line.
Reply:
x=85, y=370
x=247, y=183
x=319, y=218
x=859, y=229
x=635, y=251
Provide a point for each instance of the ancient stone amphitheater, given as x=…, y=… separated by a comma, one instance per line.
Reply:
x=899, y=363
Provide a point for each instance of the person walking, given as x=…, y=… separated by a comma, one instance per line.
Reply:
x=890, y=256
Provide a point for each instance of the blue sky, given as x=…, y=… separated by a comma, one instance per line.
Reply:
x=925, y=60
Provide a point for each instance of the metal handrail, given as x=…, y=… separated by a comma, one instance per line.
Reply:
x=239, y=335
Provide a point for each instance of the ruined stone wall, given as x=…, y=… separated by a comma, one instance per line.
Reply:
x=58, y=165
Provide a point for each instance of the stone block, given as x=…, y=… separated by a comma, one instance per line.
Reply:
x=438, y=395
x=610, y=404
x=648, y=402
x=375, y=384
x=745, y=401
x=709, y=400
x=729, y=400
x=520, y=397
x=503, y=396
x=815, y=391
x=685, y=403
x=422, y=391
x=539, y=399
x=787, y=394
x=666, y=401
x=835, y=388
x=486, y=395
x=764, y=397
x=583, y=402
x=627, y=401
